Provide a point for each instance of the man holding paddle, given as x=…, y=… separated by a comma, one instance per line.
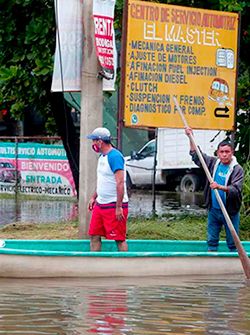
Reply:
x=228, y=180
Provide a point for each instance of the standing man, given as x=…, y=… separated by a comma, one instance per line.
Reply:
x=109, y=204
x=227, y=177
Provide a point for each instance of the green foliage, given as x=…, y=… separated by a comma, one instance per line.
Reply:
x=233, y=5
x=245, y=209
x=243, y=95
x=27, y=45
x=27, y=35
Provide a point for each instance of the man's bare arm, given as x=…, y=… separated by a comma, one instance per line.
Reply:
x=119, y=178
x=92, y=201
x=189, y=131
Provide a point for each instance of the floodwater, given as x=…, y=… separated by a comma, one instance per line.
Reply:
x=36, y=211
x=156, y=306
x=141, y=203
x=120, y=306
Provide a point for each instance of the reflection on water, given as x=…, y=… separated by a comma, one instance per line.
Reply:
x=44, y=211
x=158, y=306
x=141, y=203
x=36, y=211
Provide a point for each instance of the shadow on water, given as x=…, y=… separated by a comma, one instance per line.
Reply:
x=13, y=210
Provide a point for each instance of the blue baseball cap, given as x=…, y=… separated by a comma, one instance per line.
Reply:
x=100, y=134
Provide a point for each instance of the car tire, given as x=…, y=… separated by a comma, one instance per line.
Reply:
x=190, y=183
x=128, y=182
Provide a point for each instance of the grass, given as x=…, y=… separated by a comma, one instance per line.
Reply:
x=40, y=231
x=171, y=228
x=158, y=228
x=26, y=197
x=185, y=227
x=177, y=228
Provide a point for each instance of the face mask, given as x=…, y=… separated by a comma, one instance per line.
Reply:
x=95, y=148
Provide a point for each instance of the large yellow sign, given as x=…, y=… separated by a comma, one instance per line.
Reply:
x=183, y=52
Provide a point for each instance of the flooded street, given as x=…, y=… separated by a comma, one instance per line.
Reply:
x=121, y=306
x=141, y=203
x=201, y=306
x=36, y=211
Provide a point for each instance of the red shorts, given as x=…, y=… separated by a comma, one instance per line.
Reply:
x=104, y=223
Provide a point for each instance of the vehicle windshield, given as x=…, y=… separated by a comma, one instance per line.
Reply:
x=148, y=150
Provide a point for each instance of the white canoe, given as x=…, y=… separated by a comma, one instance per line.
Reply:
x=145, y=258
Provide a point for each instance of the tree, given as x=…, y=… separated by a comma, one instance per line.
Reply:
x=27, y=35
x=27, y=46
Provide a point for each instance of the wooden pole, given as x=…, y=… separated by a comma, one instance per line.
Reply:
x=91, y=117
x=241, y=251
x=154, y=173
x=122, y=59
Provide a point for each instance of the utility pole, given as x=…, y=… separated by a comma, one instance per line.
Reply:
x=91, y=116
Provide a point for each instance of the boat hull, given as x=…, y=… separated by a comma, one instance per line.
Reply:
x=13, y=266
x=65, y=259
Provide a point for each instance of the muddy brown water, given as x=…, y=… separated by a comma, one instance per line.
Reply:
x=157, y=306
x=121, y=306
x=141, y=203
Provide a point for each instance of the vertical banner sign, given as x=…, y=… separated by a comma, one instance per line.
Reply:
x=69, y=37
x=103, y=14
x=68, y=56
x=184, y=52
